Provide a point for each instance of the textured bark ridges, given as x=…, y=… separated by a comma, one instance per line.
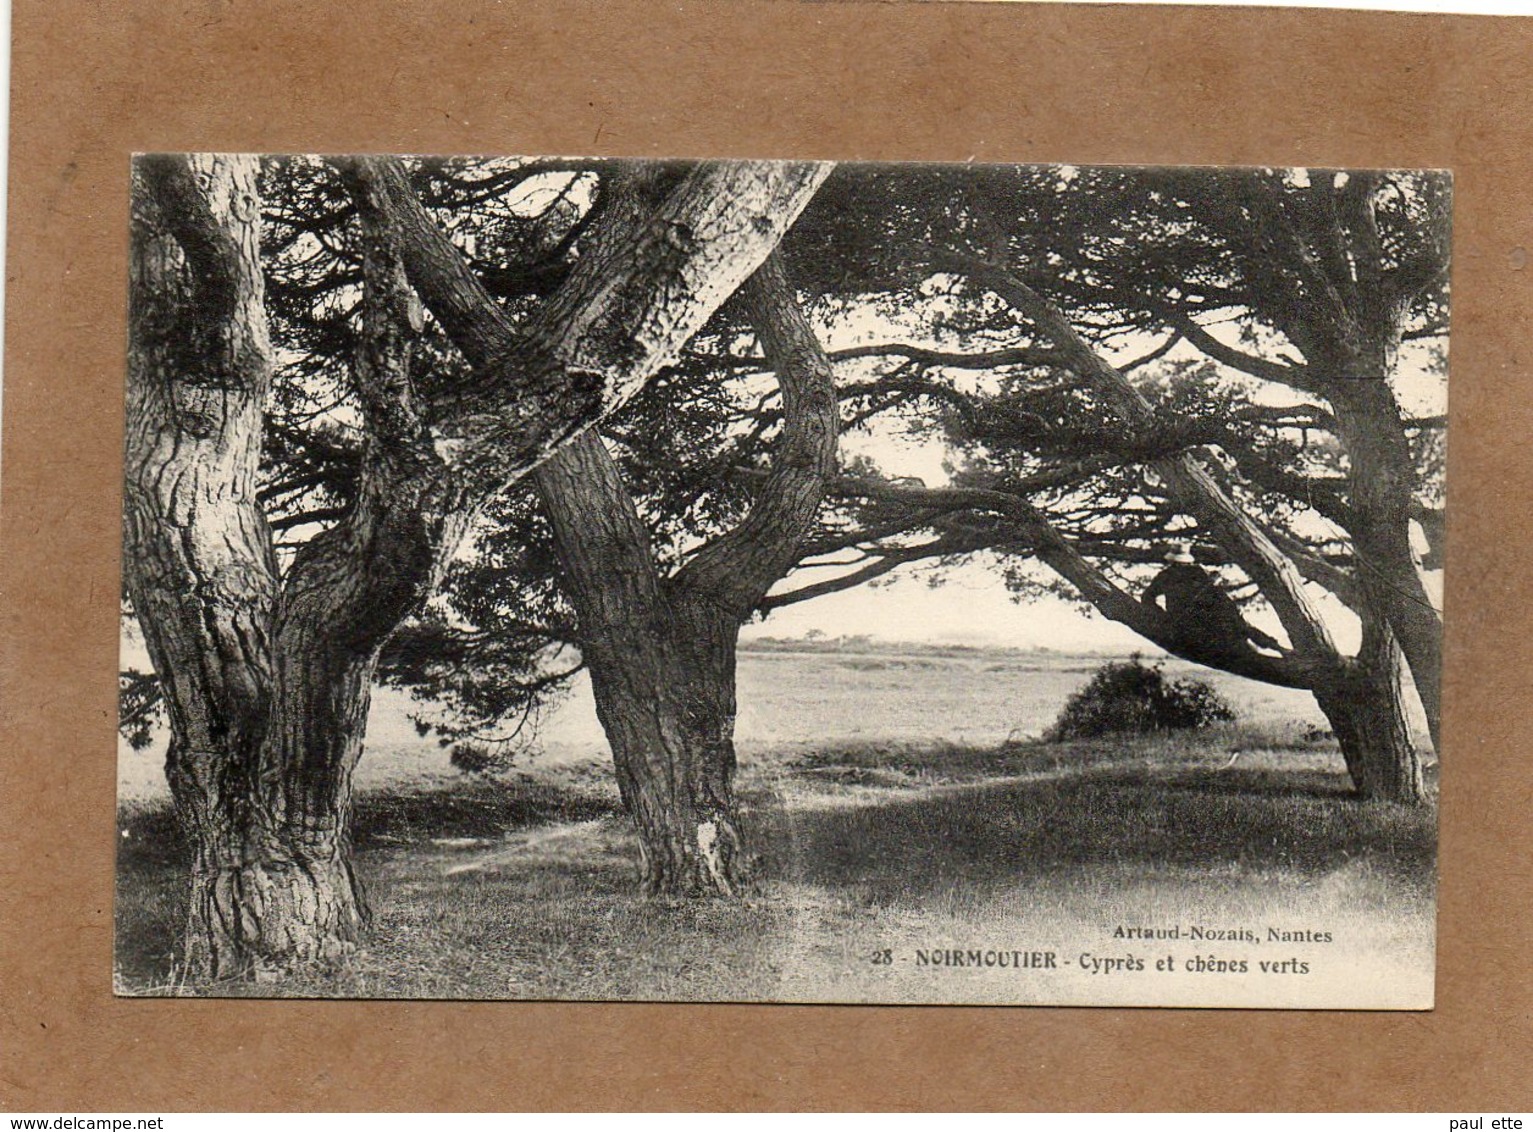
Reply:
x=198, y=561
x=1383, y=478
x=655, y=272
x=267, y=681
x=1364, y=707
x=661, y=652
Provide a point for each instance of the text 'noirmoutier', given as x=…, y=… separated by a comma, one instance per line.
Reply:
x=982, y=957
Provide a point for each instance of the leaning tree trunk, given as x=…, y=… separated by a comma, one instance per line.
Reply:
x=634, y=298
x=1190, y=484
x=1362, y=699
x=653, y=274
x=1365, y=706
x=1336, y=297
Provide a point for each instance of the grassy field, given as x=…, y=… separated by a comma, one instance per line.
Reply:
x=969, y=697
x=903, y=810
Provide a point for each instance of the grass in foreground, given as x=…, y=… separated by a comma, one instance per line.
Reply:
x=524, y=889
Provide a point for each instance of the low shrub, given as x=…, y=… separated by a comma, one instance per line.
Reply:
x=1131, y=697
x=477, y=758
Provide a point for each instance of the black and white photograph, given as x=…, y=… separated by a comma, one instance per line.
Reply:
x=594, y=579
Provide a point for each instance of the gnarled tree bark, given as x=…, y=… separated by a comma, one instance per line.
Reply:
x=267, y=677
x=705, y=238
x=1363, y=704
x=198, y=562
x=1382, y=479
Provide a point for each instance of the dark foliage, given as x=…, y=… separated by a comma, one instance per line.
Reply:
x=476, y=758
x=489, y=686
x=1131, y=697
x=140, y=707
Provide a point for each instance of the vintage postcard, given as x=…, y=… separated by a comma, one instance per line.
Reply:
x=590, y=579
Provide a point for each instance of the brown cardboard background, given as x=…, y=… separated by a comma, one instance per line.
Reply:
x=94, y=80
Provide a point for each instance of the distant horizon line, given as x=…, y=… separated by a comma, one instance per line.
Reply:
x=827, y=642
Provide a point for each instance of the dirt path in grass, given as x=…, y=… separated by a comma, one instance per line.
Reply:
x=880, y=863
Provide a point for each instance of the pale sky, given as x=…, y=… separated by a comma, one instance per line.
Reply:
x=972, y=608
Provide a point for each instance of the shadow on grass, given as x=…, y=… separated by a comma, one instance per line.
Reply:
x=1293, y=761
x=479, y=808
x=1209, y=820
x=151, y=836
x=152, y=853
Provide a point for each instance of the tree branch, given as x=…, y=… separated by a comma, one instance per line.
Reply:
x=884, y=562
x=1294, y=376
x=1241, y=537
x=1065, y=559
x=211, y=249
x=655, y=271
x=739, y=566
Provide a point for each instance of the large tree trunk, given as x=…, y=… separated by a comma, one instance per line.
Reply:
x=1330, y=289
x=662, y=674
x=690, y=842
x=272, y=882
x=299, y=897
x=650, y=280
x=661, y=653
x=669, y=718
x=1382, y=481
x=267, y=682
x=198, y=561
x=704, y=637
x=1365, y=706
x=660, y=265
